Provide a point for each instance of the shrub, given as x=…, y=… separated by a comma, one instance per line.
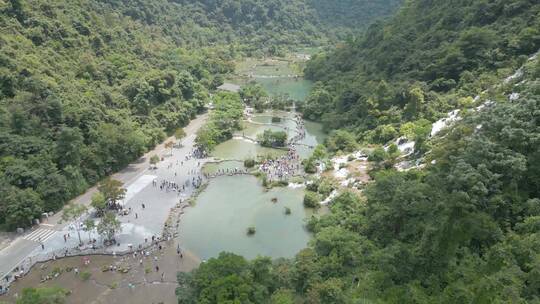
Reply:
x=283, y=296
x=272, y=139
x=85, y=275
x=328, y=166
x=310, y=165
x=313, y=186
x=378, y=155
x=296, y=180
x=384, y=133
x=251, y=230
x=326, y=187
x=249, y=163
x=312, y=224
x=288, y=210
x=154, y=159
x=279, y=183
x=311, y=200
x=341, y=141
x=57, y=270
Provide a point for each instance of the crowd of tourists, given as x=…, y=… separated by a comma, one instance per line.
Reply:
x=287, y=165
x=195, y=178
x=300, y=130
x=283, y=167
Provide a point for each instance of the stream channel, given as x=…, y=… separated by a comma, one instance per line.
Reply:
x=230, y=204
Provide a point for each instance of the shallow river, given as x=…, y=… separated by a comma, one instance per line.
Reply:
x=230, y=205
x=296, y=88
x=224, y=211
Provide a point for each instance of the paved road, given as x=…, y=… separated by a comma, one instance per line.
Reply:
x=136, y=178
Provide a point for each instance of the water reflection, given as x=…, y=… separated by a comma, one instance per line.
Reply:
x=230, y=205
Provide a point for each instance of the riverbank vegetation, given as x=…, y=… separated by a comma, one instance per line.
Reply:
x=254, y=95
x=312, y=200
x=270, y=184
x=319, y=156
x=224, y=120
x=249, y=163
x=272, y=139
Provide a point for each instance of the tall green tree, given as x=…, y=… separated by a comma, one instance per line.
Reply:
x=69, y=147
x=21, y=207
x=89, y=226
x=109, y=226
x=112, y=191
x=73, y=212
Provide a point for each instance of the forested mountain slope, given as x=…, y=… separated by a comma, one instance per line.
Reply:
x=353, y=14
x=425, y=61
x=84, y=91
x=257, y=25
x=87, y=85
x=252, y=25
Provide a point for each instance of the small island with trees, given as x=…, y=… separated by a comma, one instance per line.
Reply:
x=272, y=139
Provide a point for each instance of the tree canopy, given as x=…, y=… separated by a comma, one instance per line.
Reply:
x=224, y=120
x=429, y=58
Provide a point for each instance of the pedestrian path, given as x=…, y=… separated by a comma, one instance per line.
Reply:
x=40, y=235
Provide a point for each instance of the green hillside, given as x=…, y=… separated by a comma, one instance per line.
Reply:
x=84, y=91
x=353, y=14
x=421, y=63
x=86, y=86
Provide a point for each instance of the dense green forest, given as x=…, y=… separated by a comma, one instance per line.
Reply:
x=86, y=89
x=86, y=86
x=350, y=15
x=254, y=26
x=257, y=27
x=83, y=92
x=430, y=58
